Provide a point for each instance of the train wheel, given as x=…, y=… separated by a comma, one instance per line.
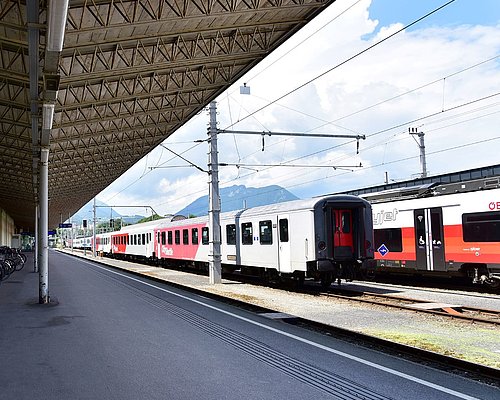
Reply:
x=493, y=283
x=326, y=280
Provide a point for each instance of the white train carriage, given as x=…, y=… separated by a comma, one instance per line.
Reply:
x=82, y=243
x=103, y=243
x=322, y=238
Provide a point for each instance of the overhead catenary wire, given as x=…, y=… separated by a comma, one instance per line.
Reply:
x=347, y=60
x=374, y=105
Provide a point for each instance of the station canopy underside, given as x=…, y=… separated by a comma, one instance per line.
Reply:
x=130, y=73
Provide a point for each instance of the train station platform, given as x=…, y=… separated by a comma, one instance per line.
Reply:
x=109, y=334
x=475, y=343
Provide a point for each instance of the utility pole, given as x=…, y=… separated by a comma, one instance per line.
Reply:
x=215, y=268
x=421, y=145
x=214, y=207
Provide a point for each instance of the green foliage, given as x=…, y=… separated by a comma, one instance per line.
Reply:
x=152, y=218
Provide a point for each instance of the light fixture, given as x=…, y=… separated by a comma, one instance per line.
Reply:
x=58, y=14
x=47, y=115
x=44, y=155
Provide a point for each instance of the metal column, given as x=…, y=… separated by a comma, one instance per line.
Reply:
x=44, y=228
x=215, y=269
x=93, y=234
x=37, y=237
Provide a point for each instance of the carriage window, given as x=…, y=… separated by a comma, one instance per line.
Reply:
x=246, y=233
x=143, y=238
x=392, y=238
x=231, y=234
x=481, y=227
x=346, y=222
x=163, y=238
x=283, y=224
x=169, y=237
x=177, y=236
x=185, y=236
x=204, y=235
x=139, y=239
x=135, y=239
x=266, y=232
x=194, y=235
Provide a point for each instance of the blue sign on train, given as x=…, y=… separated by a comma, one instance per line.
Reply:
x=383, y=250
x=65, y=225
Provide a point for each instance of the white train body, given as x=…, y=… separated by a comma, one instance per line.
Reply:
x=325, y=237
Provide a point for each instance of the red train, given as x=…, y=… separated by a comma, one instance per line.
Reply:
x=447, y=230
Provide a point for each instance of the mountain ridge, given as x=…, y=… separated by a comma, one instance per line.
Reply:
x=237, y=197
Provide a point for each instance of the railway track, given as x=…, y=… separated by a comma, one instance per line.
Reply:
x=457, y=311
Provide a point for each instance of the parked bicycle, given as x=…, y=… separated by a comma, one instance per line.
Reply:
x=11, y=260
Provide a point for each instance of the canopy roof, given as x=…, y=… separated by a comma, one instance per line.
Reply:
x=129, y=74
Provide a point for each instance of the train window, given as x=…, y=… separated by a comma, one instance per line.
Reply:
x=283, y=224
x=231, y=234
x=266, y=232
x=194, y=236
x=163, y=238
x=143, y=238
x=169, y=237
x=392, y=238
x=139, y=239
x=185, y=236
x=204, y=235
x=177, y=236
x=481, y=227
x=346, y=222
x=246, y=233
x=135, y=239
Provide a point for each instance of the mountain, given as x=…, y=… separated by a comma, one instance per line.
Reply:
x=103, y=211
x=239, y=196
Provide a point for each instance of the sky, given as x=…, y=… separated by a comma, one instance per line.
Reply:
x=344, y=74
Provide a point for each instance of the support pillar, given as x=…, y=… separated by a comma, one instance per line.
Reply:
x=94, y=248
x=37, y=238
x=44, y=228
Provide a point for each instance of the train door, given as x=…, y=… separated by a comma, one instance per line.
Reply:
x=284, y=253
x=343, y=243
x=429, y=239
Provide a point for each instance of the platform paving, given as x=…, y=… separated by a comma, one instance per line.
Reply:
x=473, y=342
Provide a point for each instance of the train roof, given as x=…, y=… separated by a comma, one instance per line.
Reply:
x=294, y=205
x=432, y=189
x=283, y=207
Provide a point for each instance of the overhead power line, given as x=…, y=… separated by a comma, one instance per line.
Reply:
x=348, y=59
